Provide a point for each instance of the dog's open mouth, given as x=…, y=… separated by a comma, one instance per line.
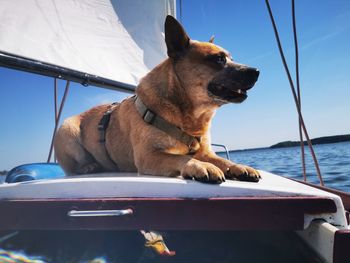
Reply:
x=227, y=95
x=232, y=83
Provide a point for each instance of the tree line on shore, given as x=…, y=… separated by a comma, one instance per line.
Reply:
x=320, y=140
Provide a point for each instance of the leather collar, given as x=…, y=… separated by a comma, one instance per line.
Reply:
x=153, y=119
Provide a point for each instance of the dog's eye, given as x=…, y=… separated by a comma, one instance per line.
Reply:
x=221, y=59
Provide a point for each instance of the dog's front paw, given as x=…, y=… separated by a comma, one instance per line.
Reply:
x=89, y=168
x=243, y=173
x=202, y=171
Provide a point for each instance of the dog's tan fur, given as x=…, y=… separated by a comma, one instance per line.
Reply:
x=176, y=91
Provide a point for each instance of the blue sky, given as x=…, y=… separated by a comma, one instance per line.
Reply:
x=242, y=27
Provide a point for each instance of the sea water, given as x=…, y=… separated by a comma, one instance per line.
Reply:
x=333, y=159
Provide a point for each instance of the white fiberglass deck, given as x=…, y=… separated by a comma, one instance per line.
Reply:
x=123, y=185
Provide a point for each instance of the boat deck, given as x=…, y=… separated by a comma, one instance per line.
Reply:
x=274, y=203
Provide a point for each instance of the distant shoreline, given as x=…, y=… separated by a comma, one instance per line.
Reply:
x=319, y=140
x=286, y=144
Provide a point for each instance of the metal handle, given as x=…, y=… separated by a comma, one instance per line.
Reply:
x=93, y=213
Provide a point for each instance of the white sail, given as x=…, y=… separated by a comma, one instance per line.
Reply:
x=119, y=40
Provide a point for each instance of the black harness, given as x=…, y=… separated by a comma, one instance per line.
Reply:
x=104, y=122
x=102, y=127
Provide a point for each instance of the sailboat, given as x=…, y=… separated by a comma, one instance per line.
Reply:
x=112, y=44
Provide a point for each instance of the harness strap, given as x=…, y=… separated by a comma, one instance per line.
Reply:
x=102, y=127
x=104, y=122
x=153, y=119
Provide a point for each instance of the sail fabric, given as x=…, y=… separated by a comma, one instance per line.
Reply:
x=119, y=40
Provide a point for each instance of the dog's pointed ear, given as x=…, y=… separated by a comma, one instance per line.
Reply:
x=176, y=38
x=211, y=40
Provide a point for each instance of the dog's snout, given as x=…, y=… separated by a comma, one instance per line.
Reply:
x=251, y=74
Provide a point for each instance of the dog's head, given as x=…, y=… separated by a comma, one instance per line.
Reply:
x=205, y=69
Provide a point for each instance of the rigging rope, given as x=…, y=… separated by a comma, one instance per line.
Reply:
x=296, y=100
x=298, y=89
x=58, y=119
x=56, y=111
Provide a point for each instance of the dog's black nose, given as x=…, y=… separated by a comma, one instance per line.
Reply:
x=249, y=76
x=252, y=74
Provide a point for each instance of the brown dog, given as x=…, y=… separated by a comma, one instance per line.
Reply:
x=182, y=94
